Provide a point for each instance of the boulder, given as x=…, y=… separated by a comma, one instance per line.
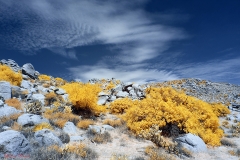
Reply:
x=1, y=103
x=5, y=90
x=102, y=100
x=192, y=143
x=31, y=119
x=45, y=137
x=7, y=111
x=29, y=70
x=12, y=64
x=26, y=84
x=13, y=143
x=70, y=128
x=38, y=97
x=112, y=98
x=122, y=94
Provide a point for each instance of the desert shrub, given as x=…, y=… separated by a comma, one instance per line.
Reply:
x=84, y=97
x=113, y=123
x=60, y=81
x=166, y=106
x=14, y=102
x=7, y=74
x=81, y=150
x=16, y=126
x=99, y=137
x=58, y=118
x=83, y=124
x=102, y=137
x=120, y=106
x=44, y=77
x=50, y=98
x=158, y=154
x=41, y=126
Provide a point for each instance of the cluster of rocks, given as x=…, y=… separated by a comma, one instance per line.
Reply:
x=206, y=90
x=121, y=90
x=32, y=93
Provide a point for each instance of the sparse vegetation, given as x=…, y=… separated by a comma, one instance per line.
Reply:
x=41, y=126
x=7, y=74
x=14, y=102
x=158, y=154
x=83, y=124
x=113, y=123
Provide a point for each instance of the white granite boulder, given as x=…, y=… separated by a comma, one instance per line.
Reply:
x=192, y=143
x=46, y=137
x=31, y=119
x=13, y=143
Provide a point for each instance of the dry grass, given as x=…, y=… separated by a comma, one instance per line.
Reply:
x=59, y=119
x=113, y=123
x=119, y=157
x=14, y=102
x=13, y=117
x=16, y=126
x=102, y=138
x=158, y=154
x=46, y=85
x=83, y=124
x=50, y=98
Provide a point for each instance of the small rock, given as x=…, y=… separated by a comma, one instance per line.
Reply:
x=77, y=138
x=7, y=111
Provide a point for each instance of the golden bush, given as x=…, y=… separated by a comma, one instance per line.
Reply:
x=120, y=106
x=113, y=123
x=7, y=74
x=50, y=98
x=84, y=96
x=44, y=77
x=41, y=126
x=60, y=81
x=164, y=106
x=14, y=102
x=85, y=123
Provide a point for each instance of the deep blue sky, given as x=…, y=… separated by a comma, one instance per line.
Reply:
x=139, y=41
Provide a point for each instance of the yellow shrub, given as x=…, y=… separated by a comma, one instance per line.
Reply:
x=84, y=96
x=44, y=77
x=41, y=126
x=85, y=123
x=59, y=81
x=7, y=74
x=121, y=105
x=14, y=102
x=164, y=106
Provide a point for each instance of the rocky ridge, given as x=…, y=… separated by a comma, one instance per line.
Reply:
x=32, y=93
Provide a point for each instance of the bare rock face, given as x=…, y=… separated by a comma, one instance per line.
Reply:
x=13, y=143
x=29, y=70
x=5, y=90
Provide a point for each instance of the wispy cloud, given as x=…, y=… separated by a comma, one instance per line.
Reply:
x=215, y=70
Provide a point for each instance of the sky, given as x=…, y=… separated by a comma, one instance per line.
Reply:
x=134, y=41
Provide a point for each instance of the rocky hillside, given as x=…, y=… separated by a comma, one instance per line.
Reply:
x=43, y=117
